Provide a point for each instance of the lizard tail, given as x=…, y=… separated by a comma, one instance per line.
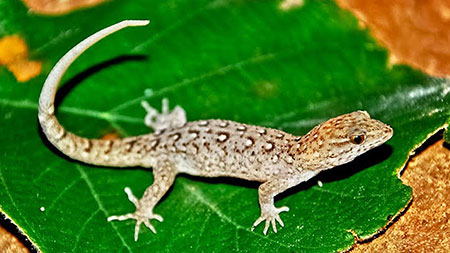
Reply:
x=92, y=151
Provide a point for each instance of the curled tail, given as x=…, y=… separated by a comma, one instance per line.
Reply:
x=93, y=151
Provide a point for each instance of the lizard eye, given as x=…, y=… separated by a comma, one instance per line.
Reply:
x=357, y=139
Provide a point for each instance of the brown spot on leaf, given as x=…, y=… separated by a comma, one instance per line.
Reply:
x=266, y=89
x=110, y=136
x=57, y=7
x=14, y=56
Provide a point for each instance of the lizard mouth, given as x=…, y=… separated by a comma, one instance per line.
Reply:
x=389, y=132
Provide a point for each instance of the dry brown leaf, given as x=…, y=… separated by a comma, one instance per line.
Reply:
x=425, y=226
x=415, y=32
x=9, y=243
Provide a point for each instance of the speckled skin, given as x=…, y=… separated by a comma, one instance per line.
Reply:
x=212, y=148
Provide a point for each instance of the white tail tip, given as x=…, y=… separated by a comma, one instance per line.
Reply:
x=136, y=22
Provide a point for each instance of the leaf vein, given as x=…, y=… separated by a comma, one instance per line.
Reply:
x=202, y=230
x=198, y=195
x=110, y=117
x=185, y=82
x=85, y=177
x=68, y=187
x=15, y=205
x=82, y=229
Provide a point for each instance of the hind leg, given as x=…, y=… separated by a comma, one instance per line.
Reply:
x=166, y=119
x=164, y=176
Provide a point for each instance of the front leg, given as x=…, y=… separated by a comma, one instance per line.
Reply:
x=268, y=190
x=164, y=176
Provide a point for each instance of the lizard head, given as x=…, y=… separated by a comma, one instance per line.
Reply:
x=340, y=140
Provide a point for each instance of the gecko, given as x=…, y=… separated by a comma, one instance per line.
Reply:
x=210, y=148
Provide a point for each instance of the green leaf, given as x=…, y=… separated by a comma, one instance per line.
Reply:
x=447, y=135
x=247, y=61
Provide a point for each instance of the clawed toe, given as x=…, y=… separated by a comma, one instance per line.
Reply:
x=140, y=218
x=157, y=217
x=121, y=217
x=150, y=226
x=142, y=215
x=271, y=216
